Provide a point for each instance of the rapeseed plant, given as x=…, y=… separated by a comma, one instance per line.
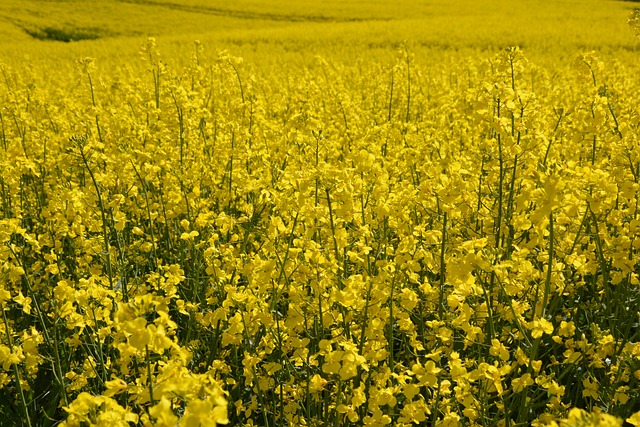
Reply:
x=379, y=245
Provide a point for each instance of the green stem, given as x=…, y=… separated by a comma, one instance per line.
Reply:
x=105, y=233
x=443, y=267
x=16, y=372
x=547, y=282
x=333, y=227
x=150, y=378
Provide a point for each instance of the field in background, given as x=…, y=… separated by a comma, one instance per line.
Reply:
x=306, y=213
x=308, y=28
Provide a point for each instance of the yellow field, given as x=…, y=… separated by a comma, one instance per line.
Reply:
x=306, y=213
x=254, y=28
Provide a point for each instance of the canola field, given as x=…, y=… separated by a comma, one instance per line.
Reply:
x=306, y=213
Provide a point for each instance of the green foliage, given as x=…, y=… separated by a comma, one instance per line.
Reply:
x=64, y=35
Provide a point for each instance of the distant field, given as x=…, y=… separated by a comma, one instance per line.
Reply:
x=318, y=27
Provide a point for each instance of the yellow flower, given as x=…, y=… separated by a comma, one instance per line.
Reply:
x=114, y=387
x=541, y=326
x=567, y=329
x=4, y=296
x=590, y=388
x=634, y=419
x=23, y=301
x=98, y=411
x=519, y=384
x=317, y=383
x=332, y=363
x=494, y=375
x=163, y=414
x=411, y=390
x=426, y=374
x=499, y=349
x=581, y=418
x=8, y=358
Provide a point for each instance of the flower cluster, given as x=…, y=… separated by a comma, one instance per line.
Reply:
x=336, y=244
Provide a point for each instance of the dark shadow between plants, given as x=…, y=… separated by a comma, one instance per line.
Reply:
x=64, y=35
